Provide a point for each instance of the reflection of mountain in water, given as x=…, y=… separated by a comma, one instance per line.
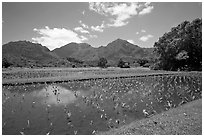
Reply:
x=85, y=107
x=57, y=95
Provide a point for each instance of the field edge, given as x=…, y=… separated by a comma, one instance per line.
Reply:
x=183, y=120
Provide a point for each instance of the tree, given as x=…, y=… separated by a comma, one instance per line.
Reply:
x=123, y=64
x=181, y=48
x=102, y=62
x=6, y=63
x=142, y=62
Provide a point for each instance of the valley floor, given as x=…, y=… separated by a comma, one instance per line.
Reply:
x=183, y=120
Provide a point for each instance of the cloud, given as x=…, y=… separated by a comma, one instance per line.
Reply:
x=143, y=30
x=147, y=9
x=119, y=12
x=83, y=25
x=122, y=13
x=98, y=28
x=83, y=38
x=56, y=37
x=80, y=29
x=137, y=33
x=93, y=36
x=98, y=7
x=146, y=38
x=83, y=12
x=92, y=28
x=131, y=41
x=117, y=23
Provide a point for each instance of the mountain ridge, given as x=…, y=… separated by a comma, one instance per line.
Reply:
x=26, y=51
x=116, y=49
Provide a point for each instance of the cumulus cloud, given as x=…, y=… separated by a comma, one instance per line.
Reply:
x=143, y=30
x=83, y=25
x=56, y=37
x=137, y=33
x=122, y=13
x=131, y=41
x=83, y=12
x=80, y=29
x=98, y=28
x=147, y=9
x=117, y=23
x=146, y=38
x=83, y=38
x=119, y=13
x=93, y=36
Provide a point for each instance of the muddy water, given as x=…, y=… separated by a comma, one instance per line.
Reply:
x=86, y=107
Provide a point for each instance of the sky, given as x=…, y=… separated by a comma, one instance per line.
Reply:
x=55, y=24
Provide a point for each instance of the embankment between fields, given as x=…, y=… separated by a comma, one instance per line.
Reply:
x=89, y=76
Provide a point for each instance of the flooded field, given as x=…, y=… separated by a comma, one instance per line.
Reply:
x=86, y=107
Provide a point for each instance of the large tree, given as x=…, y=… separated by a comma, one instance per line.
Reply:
x=181, y=48
x=102, y=62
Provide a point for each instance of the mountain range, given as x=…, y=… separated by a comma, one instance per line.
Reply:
x=25, y=53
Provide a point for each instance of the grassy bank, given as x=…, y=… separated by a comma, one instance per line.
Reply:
x=183, y=120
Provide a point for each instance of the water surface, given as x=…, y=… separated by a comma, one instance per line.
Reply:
x=86, y=107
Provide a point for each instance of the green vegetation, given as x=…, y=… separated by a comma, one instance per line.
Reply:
x=6, y=63
x=123, y=64
x=142, y=62
x=102, y=62
x=183, y=120
x=74, y=60
x=181, y=48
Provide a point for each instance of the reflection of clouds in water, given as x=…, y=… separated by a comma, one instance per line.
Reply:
x=57, y=95
x=100, y=104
